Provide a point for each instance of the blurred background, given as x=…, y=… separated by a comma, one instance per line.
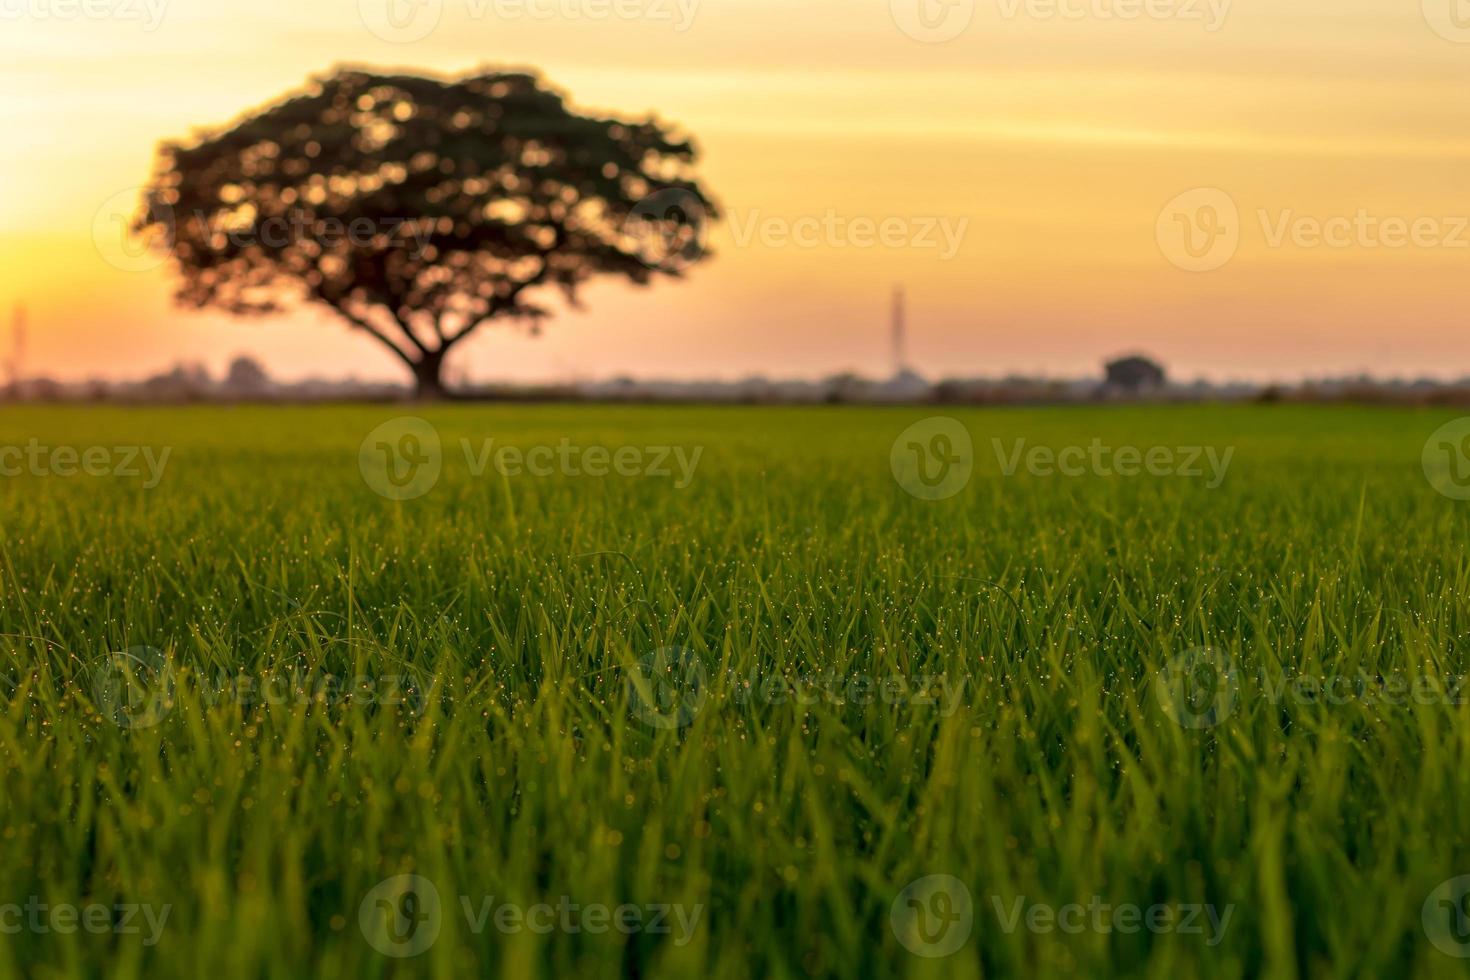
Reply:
x=1048, y=137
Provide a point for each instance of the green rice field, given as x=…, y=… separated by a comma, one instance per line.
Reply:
x=724, y=692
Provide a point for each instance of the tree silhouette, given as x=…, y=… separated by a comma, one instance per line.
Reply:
x=420, y=209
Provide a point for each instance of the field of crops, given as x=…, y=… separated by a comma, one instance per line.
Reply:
x=568, y=691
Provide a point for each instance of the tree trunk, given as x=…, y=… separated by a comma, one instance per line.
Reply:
x=428, y=378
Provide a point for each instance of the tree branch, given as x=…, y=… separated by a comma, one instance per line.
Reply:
x=361, y=324
x=500, y=305
x=407, y=329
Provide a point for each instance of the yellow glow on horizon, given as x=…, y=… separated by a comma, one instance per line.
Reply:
x=1055, y=141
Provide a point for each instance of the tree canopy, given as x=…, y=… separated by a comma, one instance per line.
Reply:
x=420, y=209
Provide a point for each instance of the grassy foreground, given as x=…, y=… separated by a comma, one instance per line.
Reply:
x=571, y=725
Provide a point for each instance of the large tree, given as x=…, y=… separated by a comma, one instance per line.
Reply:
x=420, y=209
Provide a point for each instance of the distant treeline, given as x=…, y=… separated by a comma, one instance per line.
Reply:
x=246, y=381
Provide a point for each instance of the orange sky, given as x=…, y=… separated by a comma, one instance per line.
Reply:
x=1048, y=136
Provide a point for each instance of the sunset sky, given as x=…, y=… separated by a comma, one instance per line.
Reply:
x=1054, y=142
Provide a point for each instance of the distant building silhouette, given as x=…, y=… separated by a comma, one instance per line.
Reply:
x=186, y=382
x=246, y=378
x=1135, y=374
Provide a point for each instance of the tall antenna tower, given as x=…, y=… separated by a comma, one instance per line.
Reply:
x=900, y=333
